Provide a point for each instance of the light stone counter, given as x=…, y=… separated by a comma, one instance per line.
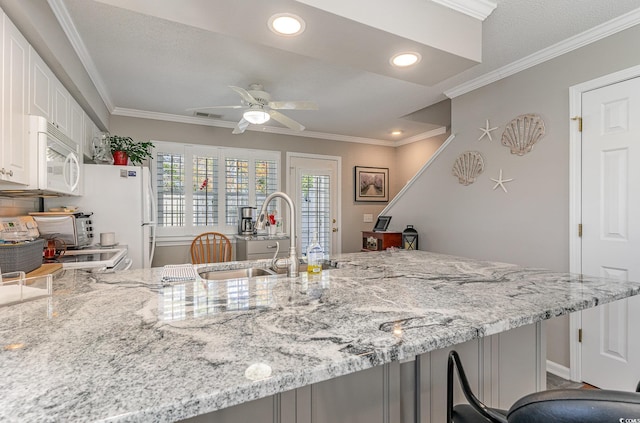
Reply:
x=125, y=347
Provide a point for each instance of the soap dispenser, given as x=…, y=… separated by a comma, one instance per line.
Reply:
x=315, y=255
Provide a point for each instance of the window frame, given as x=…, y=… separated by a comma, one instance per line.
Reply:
x=168, y=233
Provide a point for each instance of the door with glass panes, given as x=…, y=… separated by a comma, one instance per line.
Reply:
x=314, y=182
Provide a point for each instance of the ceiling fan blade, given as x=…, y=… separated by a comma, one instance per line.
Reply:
x=214, y=107
x=291, y=105
x=286, y=121
x=244, y=94
x=241, y=126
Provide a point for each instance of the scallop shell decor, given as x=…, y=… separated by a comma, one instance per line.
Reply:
x=468, y=166
x=522, y=133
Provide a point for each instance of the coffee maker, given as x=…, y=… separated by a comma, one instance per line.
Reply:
x=245, y=220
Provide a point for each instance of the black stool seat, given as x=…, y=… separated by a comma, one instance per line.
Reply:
x=576, y=406
x=559, y=405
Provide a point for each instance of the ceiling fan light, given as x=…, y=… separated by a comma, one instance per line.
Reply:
x=256, y=117
x=286, y=24
x=402, y=60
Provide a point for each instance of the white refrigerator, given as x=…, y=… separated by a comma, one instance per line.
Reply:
x=122, y=201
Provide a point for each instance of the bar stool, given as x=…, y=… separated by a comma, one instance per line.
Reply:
x=558, y=405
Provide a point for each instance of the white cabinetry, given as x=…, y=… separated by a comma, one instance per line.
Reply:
x=61, y=108
x=76, y=125
x=14, y=147
x=40, y=87
x=90, y=132
x=50, y=99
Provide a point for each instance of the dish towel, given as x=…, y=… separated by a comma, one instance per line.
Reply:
x=178, y=272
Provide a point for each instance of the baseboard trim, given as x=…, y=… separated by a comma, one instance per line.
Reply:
x=558, y=370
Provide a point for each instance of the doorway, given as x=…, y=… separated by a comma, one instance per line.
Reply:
x=314, y=181
x=605, y=187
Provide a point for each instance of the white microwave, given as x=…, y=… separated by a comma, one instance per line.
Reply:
x=58, y=165
x=54, y=168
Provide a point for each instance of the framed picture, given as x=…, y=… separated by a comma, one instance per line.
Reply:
x=371, y=183
x=382, y=223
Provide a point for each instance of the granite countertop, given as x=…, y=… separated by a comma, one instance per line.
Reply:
x=126, y=347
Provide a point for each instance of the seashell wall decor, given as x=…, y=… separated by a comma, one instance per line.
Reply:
x=522, y=133
x=468, y=166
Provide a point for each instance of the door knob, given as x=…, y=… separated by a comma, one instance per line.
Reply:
x=334, y=230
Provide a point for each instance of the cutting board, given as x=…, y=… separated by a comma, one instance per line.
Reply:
x=45, y=269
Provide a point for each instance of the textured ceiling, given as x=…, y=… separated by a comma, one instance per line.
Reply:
x=173, y=61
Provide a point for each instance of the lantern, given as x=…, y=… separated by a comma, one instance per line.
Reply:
x=410, y=238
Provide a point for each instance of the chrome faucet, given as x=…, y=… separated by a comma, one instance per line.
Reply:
x=291, y=262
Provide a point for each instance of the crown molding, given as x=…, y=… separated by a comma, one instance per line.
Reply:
x=62, y=14
x=422, y=136
x=479, y=9
x=143, y=114
x=587, y=37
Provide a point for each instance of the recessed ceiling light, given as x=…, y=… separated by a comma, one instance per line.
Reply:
x=402, y=60
x=396, y=132
x=286, y=24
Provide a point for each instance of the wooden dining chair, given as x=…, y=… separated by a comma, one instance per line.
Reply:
x=210, y=247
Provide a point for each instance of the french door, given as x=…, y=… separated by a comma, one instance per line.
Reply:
x=314, y=184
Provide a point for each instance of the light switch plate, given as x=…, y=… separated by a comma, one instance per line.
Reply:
x=367, y=218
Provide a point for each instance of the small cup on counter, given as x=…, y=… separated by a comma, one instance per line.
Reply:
x=107, y=239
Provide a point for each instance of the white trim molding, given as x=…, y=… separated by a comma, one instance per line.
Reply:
x=587, y=37
x=62, y=14
x=479, y=9
x=417, y=175
x=575, y=198
x=558, y=370
x=167, y=117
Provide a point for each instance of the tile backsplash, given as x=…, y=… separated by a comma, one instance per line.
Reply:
x=17, y=206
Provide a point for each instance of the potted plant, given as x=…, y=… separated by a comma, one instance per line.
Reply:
x=125, y=148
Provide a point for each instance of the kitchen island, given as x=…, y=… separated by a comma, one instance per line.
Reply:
x=127, y=347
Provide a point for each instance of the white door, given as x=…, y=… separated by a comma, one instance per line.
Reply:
x=314, y=182
x=611, y=231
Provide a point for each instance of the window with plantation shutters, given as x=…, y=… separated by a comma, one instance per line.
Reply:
x=170, y=189
x=266, y=182
x=199, y=188
x=205, y=191
x=236, y=189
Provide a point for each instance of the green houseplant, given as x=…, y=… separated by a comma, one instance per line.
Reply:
x=123, y=148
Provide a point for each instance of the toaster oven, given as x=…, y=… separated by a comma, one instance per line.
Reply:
x=75, y=229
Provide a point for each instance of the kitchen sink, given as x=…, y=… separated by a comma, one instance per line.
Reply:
x=219, y=275
x=302, y=267
x=251, y=272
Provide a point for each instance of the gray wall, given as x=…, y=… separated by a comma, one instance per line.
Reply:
x=411, y=157
x=529, y=225
x=352, y=154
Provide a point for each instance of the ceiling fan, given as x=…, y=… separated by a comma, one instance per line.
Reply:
x=260, y=108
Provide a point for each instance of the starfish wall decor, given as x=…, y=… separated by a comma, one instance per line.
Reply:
x=500, y=182
x=486, y=131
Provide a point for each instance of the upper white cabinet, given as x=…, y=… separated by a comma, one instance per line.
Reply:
x=50, y=99
x=76, y=124
x=40, y=87
x=14, y=144
x=91, y=131
x=61, y=108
